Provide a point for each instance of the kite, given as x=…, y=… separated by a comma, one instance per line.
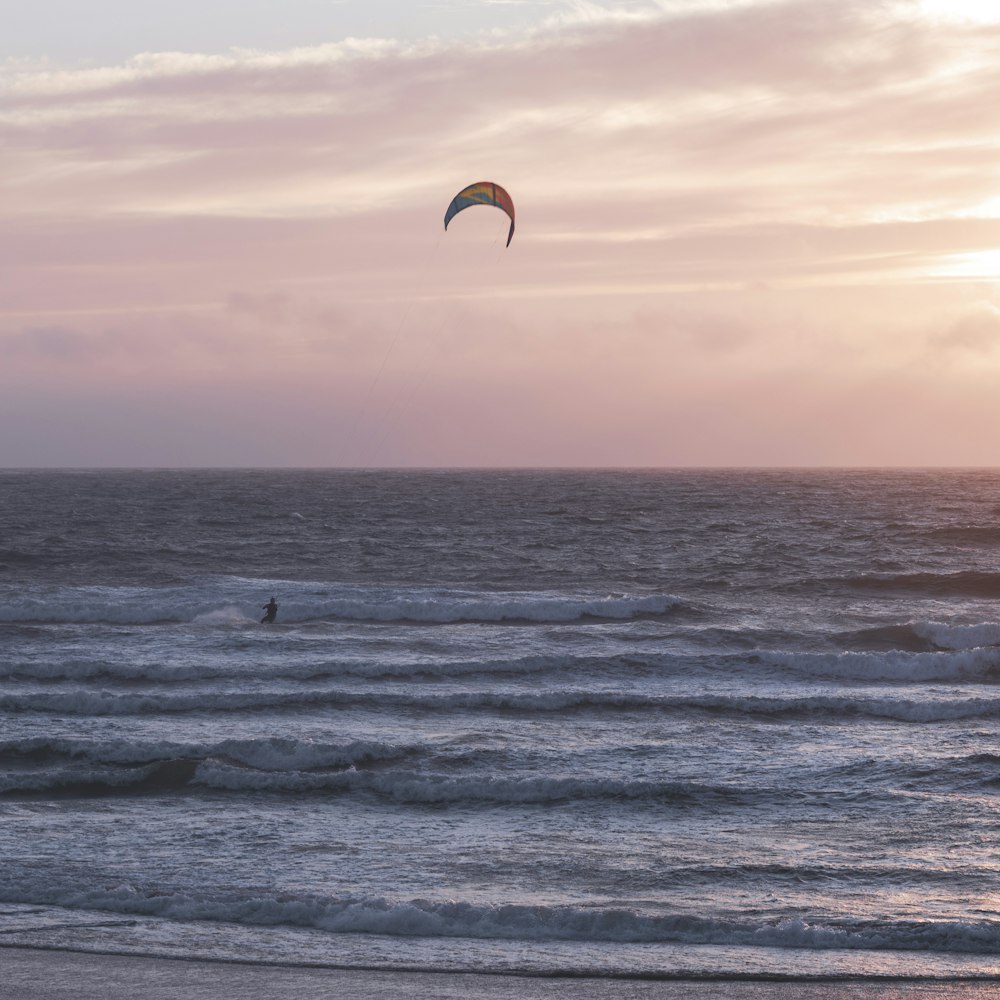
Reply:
x=482, y=193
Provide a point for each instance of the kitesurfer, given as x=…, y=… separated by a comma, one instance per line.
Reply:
x=270, y=610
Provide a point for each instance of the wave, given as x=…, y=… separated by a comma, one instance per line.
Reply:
x=959, y=636
x=970, y=583
x=897, y=638
x=924, y=637
x=283, y=669
x=83, y=767
x=269, y=753
x=831, y=707
x=68, y=768
x=15, y=558
x=949, y=654
x=437, y=789
x=457, y=919
x=235, y=602
x=78, y=767
x=969, y=534
x=980, y=664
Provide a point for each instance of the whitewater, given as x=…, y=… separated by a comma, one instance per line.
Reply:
x=709, y=723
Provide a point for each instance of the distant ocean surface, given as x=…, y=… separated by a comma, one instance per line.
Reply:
x=651, y=723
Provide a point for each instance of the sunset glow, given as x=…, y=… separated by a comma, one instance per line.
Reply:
x=981, y=11
x=723, y=210
x=983, y=264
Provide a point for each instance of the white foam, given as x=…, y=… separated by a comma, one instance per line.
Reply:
x=958, y=636
x=223, y=616
x=234, y=601
x=979, y=664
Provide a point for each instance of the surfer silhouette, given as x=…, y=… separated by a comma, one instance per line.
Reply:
x=270, y=610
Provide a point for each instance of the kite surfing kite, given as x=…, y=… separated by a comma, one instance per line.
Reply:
x=482, y=193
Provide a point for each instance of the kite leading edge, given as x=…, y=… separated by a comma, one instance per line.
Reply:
x=482, y=193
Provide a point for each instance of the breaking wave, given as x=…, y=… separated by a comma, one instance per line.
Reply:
x=457, y=919
x=236, y=603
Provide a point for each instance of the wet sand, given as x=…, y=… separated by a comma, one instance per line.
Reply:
x=36, y=974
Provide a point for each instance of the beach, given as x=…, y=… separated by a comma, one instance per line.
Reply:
x=37, y=974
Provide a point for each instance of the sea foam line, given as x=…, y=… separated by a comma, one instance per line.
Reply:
x=979, y=664
x=210, y=605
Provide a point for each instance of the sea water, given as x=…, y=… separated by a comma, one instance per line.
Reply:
x=650, y=723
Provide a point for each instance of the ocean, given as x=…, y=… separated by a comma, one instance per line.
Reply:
x=644, y=723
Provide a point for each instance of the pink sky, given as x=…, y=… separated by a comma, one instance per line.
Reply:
x=748, y=234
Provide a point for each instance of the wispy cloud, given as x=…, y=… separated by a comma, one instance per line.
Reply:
x=733, y=157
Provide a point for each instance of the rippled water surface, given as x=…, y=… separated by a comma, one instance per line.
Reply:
x=614, y=722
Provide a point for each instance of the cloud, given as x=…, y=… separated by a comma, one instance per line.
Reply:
x=977, y=331
x=270, y=309
x=720, y=207
x=774, y=111
x=142, y=344
x=49, y=342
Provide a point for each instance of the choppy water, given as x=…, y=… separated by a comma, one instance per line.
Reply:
x=615, y=722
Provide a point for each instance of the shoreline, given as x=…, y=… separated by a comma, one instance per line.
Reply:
x=45, y=973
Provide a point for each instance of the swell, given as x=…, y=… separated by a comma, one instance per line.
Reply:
x=979, y=665
x=970, y=534
x=15, y=559
x=419, y=773
x=828, y=707
x=220, y=605
x=67, y=767
x=63, y=768
x=922, y=637
x=969, y=583
x=190, y=775
x=269, y=753
x=459, y=919
x=915, y=653
x=303, y=670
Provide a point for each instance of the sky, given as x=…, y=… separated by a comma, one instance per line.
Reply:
x=749, y=233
